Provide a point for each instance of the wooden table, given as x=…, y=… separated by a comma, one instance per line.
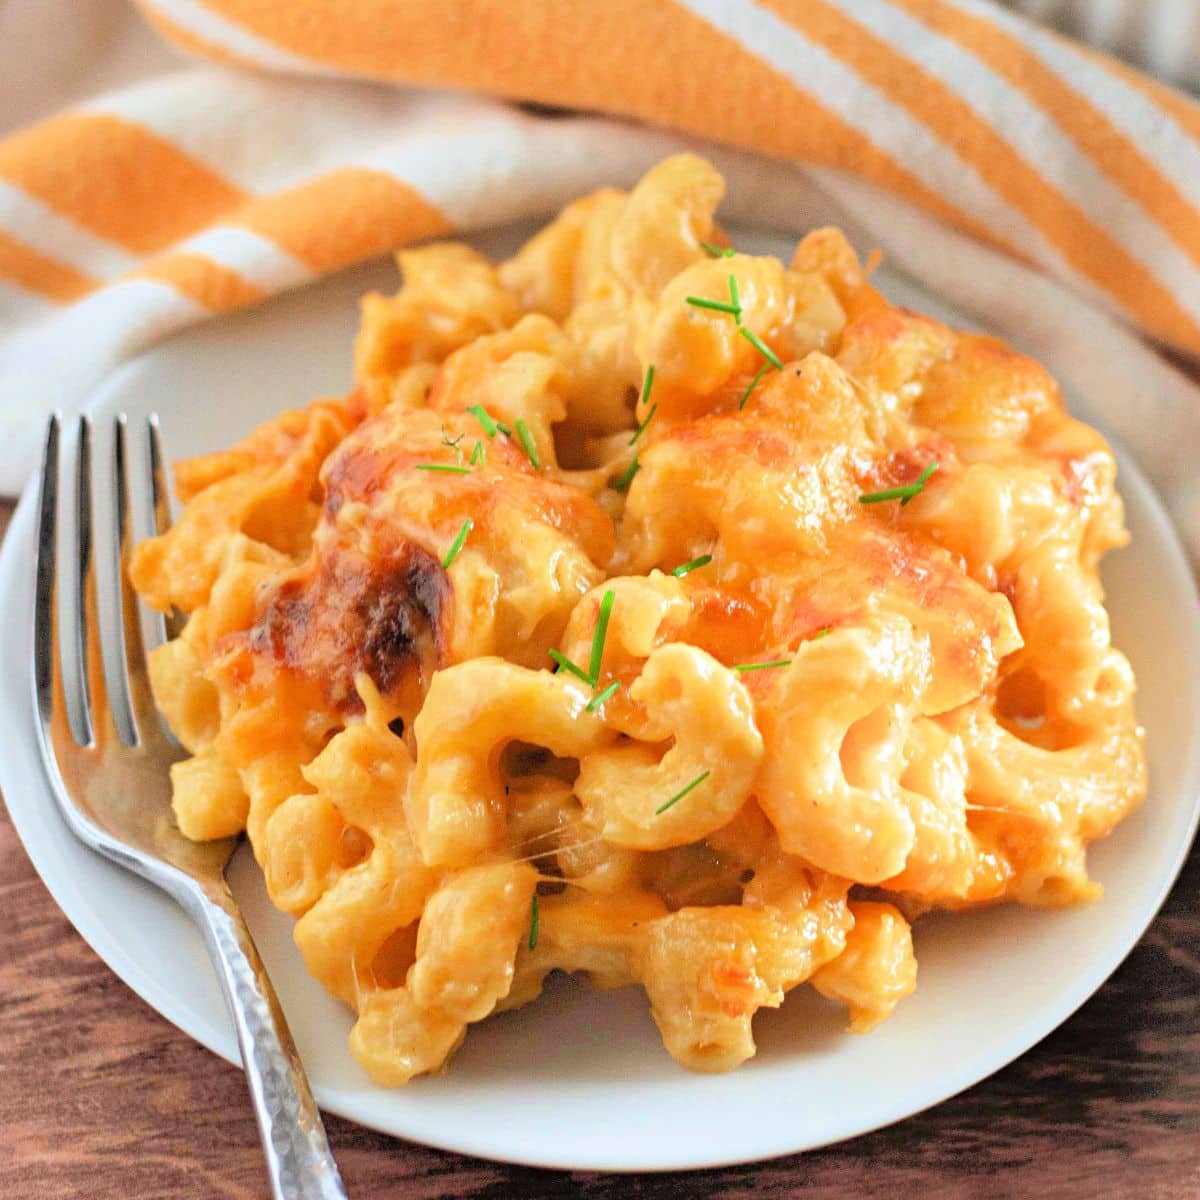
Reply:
x=101, y=1098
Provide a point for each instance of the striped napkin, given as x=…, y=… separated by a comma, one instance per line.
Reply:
x=1050, y=192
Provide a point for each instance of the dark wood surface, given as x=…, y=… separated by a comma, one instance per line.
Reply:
x=101, y=1098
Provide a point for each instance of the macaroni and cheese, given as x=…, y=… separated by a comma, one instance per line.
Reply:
x=654, y=611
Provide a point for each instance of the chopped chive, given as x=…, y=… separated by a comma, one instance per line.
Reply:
x=600, y=633
x=535, y=920
x=485, y=419
x=734, y=297
x=567, y=665
x=903, y=494
x=763, y=666
x=717, y=251
x=679, y=795
x=622, y=482
x=753, y=384
x=920, y=482
x=504, y=429
x=444, y=467
x=527, y=443
x=478, y=455
x=647, y=384
x=821, y=633
x=457, y=544
x=761, y=347
x=715, y=305
x=642, y=427
x=600, y=697
x=696, y=563
x=896, y=493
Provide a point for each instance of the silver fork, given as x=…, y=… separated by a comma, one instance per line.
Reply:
x=113, y=790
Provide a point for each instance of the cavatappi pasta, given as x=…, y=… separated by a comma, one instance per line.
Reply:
x=652, y=611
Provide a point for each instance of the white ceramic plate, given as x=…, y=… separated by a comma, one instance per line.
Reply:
x=579, y=1079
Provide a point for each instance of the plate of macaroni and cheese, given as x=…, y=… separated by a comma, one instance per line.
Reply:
x=682, y=705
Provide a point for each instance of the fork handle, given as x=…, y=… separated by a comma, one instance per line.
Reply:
x=299, y=1160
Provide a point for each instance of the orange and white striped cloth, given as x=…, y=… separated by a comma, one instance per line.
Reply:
x=1050, y=192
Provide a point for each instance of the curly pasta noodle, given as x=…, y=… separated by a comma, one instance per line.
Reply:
x=819, y=576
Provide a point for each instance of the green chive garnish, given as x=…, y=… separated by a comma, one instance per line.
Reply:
x=600, y=633
x=761, y=347
x=717, y=251
x=600, y=697
x=920, y=482
x=903, y=494
x=764, y=666
x=527, y=443
x=642, y=427
x=535, y=920
x=753, y=384
x=821, y=633
x=715, y=305
x=680, y=571
x=734, y=297
x=457, y=544
x=679, y=795
x=478, y=455
x=647, y=384
x=444, y=467
x=622, y=482
x=567, y=665
x=485, y=419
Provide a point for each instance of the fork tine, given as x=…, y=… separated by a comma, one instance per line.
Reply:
x=47, y=671
x=85, y=583
x=97, y=715
x=135, y=715
x=169, y=625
